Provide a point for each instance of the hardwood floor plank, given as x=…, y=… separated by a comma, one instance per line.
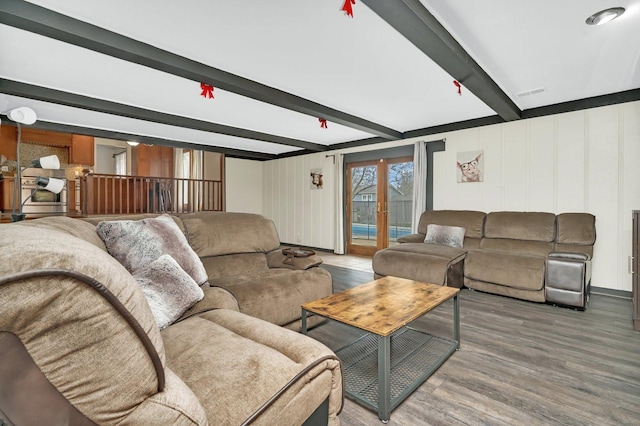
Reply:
x=520, y=363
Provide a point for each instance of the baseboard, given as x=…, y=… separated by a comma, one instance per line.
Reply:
x=611, y=292
x=322, y=250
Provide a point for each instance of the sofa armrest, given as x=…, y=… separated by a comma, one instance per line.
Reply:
x=412, y=238
x=214, y=298
x=569, y=256
x=275, y=259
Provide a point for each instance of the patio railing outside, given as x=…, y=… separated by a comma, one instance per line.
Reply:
x=117, y=194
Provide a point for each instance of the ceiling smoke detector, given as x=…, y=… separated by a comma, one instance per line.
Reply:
x=605, y=16
x=530, y=92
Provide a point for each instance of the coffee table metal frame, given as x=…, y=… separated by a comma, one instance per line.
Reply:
x=405, y=359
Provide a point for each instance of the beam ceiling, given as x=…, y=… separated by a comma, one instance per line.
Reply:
x=411, y=19
x=42, y=21
x=30, y=91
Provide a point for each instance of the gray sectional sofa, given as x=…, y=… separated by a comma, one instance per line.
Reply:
x=533, y=256
x=80, y=343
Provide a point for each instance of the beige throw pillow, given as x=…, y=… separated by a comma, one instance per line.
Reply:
x=169, y=290
x=137, y=243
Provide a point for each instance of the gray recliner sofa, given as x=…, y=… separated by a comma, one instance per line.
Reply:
x=536, y=256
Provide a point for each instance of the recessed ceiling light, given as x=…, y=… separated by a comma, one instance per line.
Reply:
x=132, y=143
x=605, y=16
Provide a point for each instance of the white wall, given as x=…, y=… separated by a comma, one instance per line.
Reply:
x=579, y=161
x=243, y=185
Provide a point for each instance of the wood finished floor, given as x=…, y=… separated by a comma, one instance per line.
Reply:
x=520, y=363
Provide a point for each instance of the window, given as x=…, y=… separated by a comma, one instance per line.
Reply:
x=121, y=163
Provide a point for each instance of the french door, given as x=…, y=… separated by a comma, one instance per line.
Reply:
x=379, y=198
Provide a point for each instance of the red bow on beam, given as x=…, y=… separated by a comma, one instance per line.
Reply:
x=323, y=123
x=455, y=83
x=207, y=90
x=347, y=7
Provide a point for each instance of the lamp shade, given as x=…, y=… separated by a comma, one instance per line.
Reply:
x=48, y=162
x=50, y=184
x=23, y=115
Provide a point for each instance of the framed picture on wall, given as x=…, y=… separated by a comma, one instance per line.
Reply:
x=316, y=178
x=470, y=166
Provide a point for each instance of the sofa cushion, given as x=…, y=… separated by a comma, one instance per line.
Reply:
x=137, y=243
x=533, y=226
x=169, y=290
x=275, y=295
x=576, y=228
x=472, y=221
x=218, y=233
x=78, y=228
x=527, y=247
x=515, y=270
x=452, y=236
x=417, y=261
x=252, y=361
x=72, y=332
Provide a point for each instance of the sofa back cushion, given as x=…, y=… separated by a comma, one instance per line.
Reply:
x=576, y=233
x=472, y=222
x=532, y=226
x=220, y=233
x=235, y=264
x=87, y=349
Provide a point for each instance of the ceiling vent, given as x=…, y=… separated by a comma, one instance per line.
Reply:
x=530, y=92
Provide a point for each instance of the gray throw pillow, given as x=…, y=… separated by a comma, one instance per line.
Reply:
x=169, y=290
x=445, y=235
x=137, y=243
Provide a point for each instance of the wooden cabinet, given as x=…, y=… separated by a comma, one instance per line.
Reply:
x=635, y=284
x=46, y=137
x=8, y=141
x=6, y=194
x=82, y=150
x=152, y=160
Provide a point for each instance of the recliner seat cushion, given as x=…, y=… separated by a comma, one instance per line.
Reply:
x=508, y=269
x=417, y=261
x=251, y=362
x=276, y=295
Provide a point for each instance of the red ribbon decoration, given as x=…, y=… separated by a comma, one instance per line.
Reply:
x=323, y=123
x=207, y=90
x=347, y=7
x=455, y=83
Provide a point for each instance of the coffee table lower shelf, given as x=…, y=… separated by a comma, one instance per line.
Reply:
x=415, y=355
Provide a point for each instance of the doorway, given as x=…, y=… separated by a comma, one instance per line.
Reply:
x=379, y=203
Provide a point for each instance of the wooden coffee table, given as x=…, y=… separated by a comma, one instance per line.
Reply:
x=386, y=365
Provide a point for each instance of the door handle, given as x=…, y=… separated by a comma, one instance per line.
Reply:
x=630, y=265
x=378, y=210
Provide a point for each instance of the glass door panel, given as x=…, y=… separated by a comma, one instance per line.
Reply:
x=399, y=199
x=362, y=214
x=379, y=198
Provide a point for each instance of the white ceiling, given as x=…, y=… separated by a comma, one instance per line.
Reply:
x=359, y=66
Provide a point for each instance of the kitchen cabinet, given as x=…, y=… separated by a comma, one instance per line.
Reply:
x=6, y=194
x=152, y=160
x=46, y=137
x=82, y=150
x=8, y=141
